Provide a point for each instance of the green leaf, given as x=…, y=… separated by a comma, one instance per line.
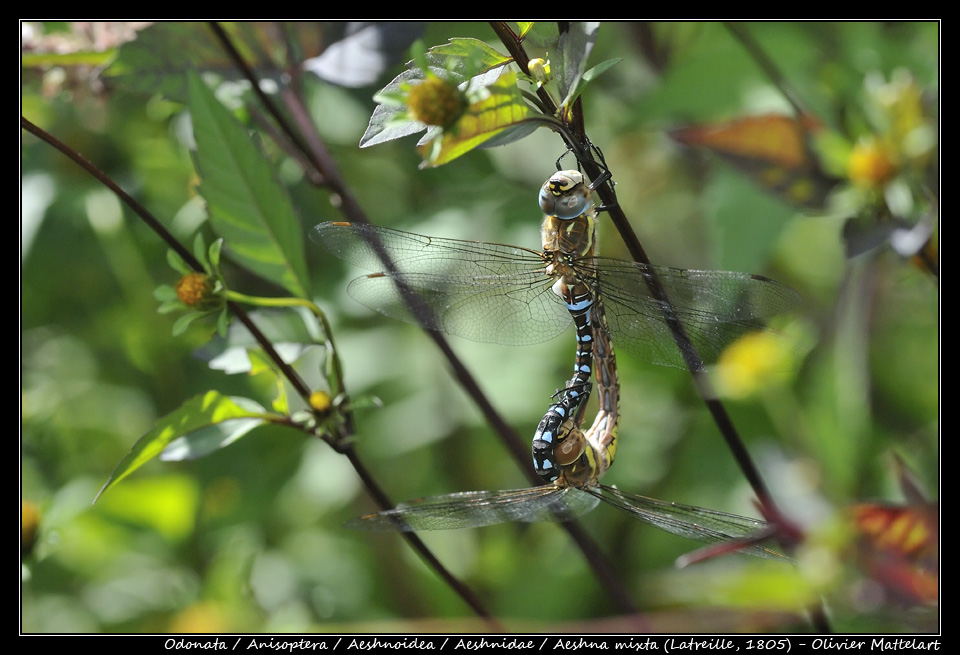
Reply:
x=386, y=123
x=504, y=107
x=209, y=439
x=248, y=207
x=466, y=57
x=166, y=293
x=182, y=323
x=177, y=263
x=199, y=412
x=591, y=75
x=53, y=59
x=573, y=50
x=155, y=62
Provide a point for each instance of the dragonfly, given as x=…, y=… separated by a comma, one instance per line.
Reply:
x=512, y=295
x=509, y=294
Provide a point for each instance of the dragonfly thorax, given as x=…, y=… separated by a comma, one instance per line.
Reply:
x=569, y=239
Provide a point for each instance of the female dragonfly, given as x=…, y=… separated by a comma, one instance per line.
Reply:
x=458, y=283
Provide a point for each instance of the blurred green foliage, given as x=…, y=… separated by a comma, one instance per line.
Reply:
x=250, y=538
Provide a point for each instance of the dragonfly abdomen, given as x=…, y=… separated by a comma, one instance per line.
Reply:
x=558, y=441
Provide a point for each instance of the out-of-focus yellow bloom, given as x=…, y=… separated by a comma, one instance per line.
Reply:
x=200, y=617
x=750, y=363
x=871, y=163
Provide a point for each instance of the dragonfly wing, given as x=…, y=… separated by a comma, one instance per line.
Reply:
x=512, y=311
x=688, y=521
x=715, y=307
x=478, y=508
x=481, y=291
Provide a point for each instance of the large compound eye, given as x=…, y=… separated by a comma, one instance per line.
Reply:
x=565, y=195
x=570, y=447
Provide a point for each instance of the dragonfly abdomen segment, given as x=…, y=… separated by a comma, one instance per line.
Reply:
x=602, y=435
x=558, y=441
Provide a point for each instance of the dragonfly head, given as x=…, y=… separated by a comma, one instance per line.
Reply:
x=565, y=195
x=581, y=473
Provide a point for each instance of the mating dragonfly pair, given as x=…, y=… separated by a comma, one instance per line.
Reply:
x=512, y=295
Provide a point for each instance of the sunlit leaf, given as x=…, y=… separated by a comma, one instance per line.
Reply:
x=466, y=57
x=206, y=440
x=483, y=120
x=199, y=412
x=773, y=149
x=543, y=35
x=248, y=207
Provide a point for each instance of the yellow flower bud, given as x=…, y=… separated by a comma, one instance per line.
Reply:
x=320, y=402
x=194, y=289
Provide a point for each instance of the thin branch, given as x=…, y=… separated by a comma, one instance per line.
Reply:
x=161, y=230
x=689, y=352
x=332, y=179
x=766, y=64
x=340, y=444
x=317, y=153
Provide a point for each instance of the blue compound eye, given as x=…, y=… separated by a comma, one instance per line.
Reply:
x=565, y=195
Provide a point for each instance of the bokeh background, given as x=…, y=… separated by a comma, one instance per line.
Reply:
x=251, y=537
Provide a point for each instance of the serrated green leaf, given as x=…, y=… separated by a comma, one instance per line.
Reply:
x=248, y=207
x=201, y=411
x=504, y=107
x=384, y=126
x=466, y=57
